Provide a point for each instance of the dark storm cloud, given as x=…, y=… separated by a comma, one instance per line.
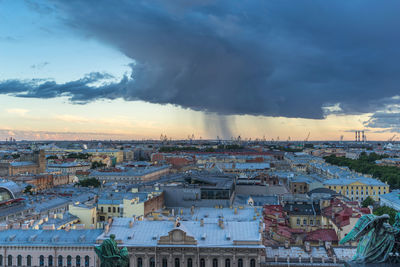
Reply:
x=275, y=58
x=79, y=91
x=385, y=120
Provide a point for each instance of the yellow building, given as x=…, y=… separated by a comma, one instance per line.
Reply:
x=87, y=214
x=117, y=154
x=303, y=215
x=131, y=204
x=106, y=160
x=358, y=189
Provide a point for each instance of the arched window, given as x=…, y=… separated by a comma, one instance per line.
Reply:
x=50, y=260
x=60, y=260
x=202, y=263
x=177, y=262
x=41, y=260
x=19, y=260
x=240, y=262
x=227, y=263
x=152, y=262
x=189, y=262
x=139, y=262
x=78, y=261
x=164, y=262
x=29, y=260
x=9, y=259
x=215, y=263
x=87, y=261
x=252, y=263
x=69, y=261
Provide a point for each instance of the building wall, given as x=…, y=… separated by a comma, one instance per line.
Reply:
x=133, y=209
x=153, y=204
x=358, y=188
x=36, y=251
x=86, y=215
x=183, y=254
x=311, y=222
x=107, y=210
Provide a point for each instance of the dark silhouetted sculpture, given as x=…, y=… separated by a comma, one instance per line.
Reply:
x=378, y=241
x=110, y=255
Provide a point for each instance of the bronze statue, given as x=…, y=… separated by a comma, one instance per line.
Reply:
x=378, y=240
x=110, y=255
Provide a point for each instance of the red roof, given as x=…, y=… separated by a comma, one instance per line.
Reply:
x=322, y=235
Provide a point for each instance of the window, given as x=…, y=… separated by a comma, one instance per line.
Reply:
x=152, y=262
x=109, y=209
x=9, y=260
x=189, y=262
x=87, y=261
x=101, y=208
x=240, y=263
x=69, y=261
x=19, y=260
x=215, y=263
x=311, y=222
x=113, y=209
x=28, y=260
x=227, y=263
x=252, y=263
x=304, y=222
x=60, y=260
x=139, y=262
x=202, y=263
x=1, y=260
x=177, y=262
x=41, y=260
x=164, y=262
x=78, y=261
x=298, y=221
x=50, y=260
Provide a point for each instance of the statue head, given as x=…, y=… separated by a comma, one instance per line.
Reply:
x=112, y=236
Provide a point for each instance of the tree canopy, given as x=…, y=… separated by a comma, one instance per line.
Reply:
x=366, y=164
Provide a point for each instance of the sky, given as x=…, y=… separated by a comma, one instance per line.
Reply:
x=259, y=69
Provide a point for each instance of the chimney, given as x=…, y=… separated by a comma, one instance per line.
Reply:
x=202, y=222
x=68, y=228
x=221, y=223
x=130, y=224
x=192, y=210
x=308, y=248
x=236, y=212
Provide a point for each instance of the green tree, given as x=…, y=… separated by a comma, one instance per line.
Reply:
x=89, y=182
x=97, y=164
x=368, y=202
x=386, y=210
x=28, y=189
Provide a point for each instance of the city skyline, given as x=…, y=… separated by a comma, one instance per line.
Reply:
x=89, y=70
